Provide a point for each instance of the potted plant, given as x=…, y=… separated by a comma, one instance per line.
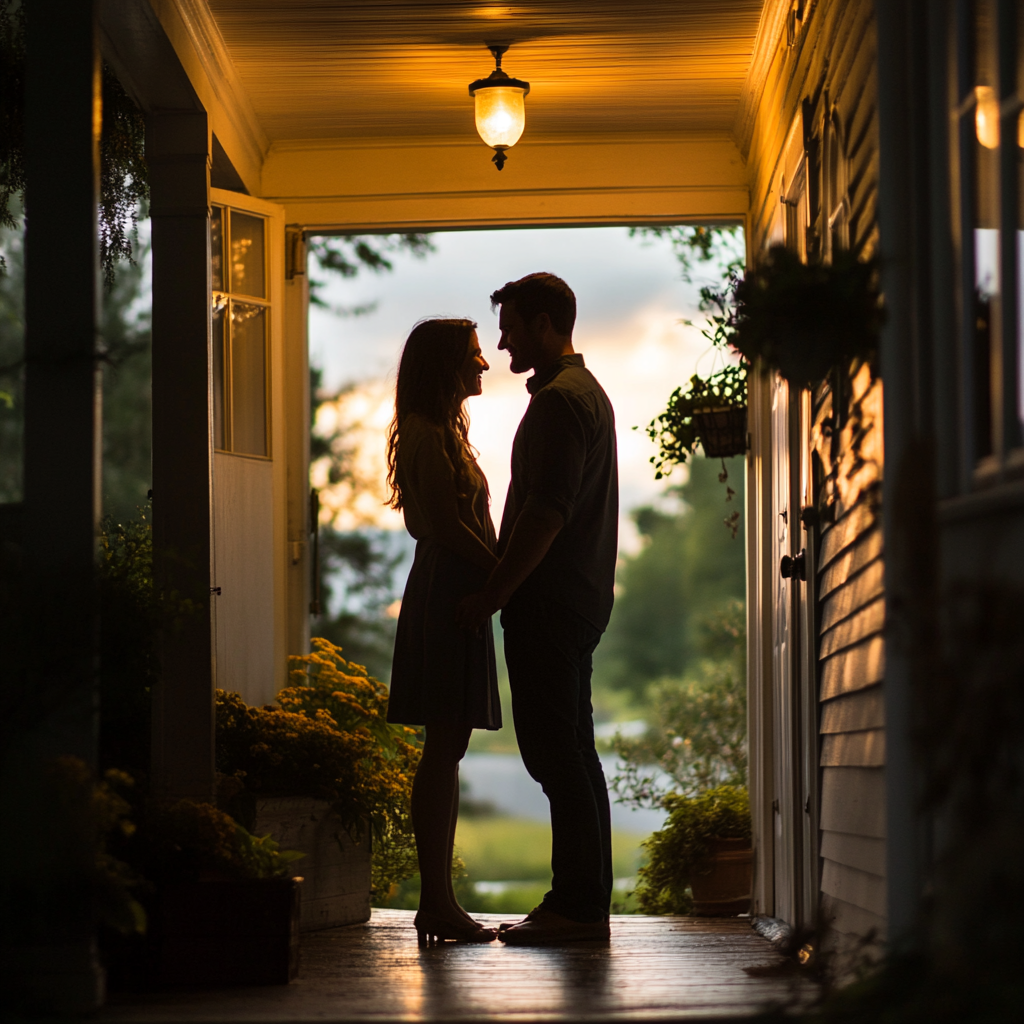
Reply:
x=709, y=412
x=700, y=862
x=219, y=907
x=805, y=319
x=225, y=909
x=323, y=772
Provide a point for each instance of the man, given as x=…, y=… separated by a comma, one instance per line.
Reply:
x=554, y=580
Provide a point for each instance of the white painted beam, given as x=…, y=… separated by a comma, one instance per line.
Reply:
x=328, y=185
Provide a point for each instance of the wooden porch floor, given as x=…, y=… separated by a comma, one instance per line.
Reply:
x=660, y=968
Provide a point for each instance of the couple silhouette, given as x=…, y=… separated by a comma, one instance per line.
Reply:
x=550, y=571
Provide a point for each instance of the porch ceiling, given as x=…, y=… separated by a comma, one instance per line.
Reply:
x=356, y=115
x=398, y=69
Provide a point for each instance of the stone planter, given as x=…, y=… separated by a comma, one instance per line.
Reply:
x=335, y=870
x=724, y=891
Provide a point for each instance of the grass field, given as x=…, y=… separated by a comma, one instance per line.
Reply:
x=517, y=851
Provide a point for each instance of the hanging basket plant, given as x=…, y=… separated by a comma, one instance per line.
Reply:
x=806, y=319
x=710, y=413
x=124, y=180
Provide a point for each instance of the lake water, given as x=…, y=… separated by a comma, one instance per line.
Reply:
x=501, y=779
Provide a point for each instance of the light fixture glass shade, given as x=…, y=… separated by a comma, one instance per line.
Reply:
x=986, y=116
x=500, y=115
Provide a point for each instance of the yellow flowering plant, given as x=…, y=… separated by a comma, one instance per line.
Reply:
x=329, y=738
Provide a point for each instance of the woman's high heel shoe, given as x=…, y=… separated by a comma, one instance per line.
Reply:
x=431, y=930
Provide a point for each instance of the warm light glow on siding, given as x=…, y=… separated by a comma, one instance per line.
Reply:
x=986, y=116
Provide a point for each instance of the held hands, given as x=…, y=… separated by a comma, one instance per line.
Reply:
x=475, y=610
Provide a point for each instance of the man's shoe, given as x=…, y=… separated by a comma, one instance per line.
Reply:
x=543, y=927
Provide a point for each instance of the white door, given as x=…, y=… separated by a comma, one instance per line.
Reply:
x=784, y=744
x=249, y=521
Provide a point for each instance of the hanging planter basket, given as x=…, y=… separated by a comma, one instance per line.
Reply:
x=709, y=412
x=722, y=430
x=805, y=319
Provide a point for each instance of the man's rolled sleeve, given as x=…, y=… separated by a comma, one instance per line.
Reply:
x=557, y=450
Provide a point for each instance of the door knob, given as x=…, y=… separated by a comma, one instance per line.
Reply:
x=794, y=568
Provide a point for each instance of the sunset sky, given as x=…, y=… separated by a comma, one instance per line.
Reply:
x=630, y=299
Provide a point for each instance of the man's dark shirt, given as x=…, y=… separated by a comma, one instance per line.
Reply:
x=564, y=460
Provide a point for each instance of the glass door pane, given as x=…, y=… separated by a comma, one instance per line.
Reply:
x=220, y=397
x=248, y=379
x=247, y=255
x=217, y=249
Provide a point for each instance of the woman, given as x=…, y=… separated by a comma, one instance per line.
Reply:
x=442, y=677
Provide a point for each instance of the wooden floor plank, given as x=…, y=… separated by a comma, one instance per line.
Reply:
x=654, y=968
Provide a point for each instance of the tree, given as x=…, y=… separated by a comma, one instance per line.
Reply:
x=127, y=389
x=12, y=340
x=689, y=565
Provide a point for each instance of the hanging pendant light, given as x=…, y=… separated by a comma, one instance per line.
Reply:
x=500, y=107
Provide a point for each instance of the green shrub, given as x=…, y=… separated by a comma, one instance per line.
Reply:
x=679, y=851
x=185, y=840
x=698, y=733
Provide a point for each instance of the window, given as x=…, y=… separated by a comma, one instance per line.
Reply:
x=836, y=201
x=991, y=178
x=240, y=332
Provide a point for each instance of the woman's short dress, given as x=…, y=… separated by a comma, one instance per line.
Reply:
x=439, y=671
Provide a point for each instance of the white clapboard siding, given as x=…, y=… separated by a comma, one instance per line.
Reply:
x=831, y=60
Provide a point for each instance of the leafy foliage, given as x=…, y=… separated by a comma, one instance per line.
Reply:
x=360, y=565
x=186, y=840
x=12, y=103
x=674, y=430
x=804, y=319
x=129, y=665
x=347, y=255
x=325, y=681
x=698, y=738
x=107, y=890
x=687, y=567
x=721, y=245
x=12, y=368
x=124, y=178
x=679, y=851
x=127, y=389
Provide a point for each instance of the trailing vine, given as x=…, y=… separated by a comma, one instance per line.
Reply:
x=124, y=177
x=124, y=181
x=12, y=103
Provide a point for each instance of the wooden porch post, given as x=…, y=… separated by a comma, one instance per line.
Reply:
x=902, y=193
x=178, y=153
x=50, y=636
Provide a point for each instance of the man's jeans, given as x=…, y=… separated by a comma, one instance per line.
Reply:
x=549, y=652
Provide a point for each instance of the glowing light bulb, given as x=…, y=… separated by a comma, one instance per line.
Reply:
x=500, y=115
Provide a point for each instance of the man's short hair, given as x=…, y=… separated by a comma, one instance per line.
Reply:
x=540, y=293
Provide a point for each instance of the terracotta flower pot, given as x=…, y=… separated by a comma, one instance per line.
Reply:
x=724, y=891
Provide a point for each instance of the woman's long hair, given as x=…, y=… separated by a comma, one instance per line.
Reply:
x=430, y=385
